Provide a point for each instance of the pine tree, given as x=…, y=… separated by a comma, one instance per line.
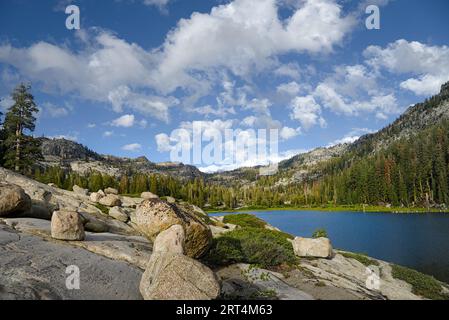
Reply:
x=21, y=150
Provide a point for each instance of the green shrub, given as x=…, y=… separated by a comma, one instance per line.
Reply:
x=423, y=285
x=360, y=257
x=319, y=233
x=263, y=247
x=103, y=208
x=245, y=220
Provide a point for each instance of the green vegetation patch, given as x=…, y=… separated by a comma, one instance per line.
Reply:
x=360, y=257
x=320, y=233
x=423, y=285
x=266, y=248
x=245, y=220
x=103, y=208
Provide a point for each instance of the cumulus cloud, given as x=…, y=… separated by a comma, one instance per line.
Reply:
x=244, y=35
x=53, y=111
x=307, y=111
x=290, y=88
x=354, y=90
x=108, y=70
x=133, y=147
x=125, y=121
x=427, y=65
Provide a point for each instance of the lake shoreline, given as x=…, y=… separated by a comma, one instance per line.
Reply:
x=366, y=209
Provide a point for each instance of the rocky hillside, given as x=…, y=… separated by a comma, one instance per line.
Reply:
x=74, y=156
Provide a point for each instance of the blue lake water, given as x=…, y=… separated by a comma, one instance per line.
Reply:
x=418, y=241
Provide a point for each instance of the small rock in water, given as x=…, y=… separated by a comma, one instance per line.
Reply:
x=67, y=225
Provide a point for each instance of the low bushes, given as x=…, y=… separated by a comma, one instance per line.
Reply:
x=244, y=220
x=266, y=248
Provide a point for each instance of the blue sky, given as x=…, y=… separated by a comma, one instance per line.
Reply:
x=139, y=69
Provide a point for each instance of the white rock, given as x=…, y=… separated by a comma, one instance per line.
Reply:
x=148, y=196
x=111, y=200
x=318, y=248
x=95, y=197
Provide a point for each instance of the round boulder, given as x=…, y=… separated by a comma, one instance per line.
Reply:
x=13, y=200
x=171, y=276
x=154, y=216
x=67, y=225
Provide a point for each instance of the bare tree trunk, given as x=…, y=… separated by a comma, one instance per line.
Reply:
x=17, y=160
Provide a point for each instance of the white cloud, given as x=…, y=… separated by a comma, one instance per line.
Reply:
x=108, y=133
x=307, y=111
x=290, y=70
x=287, y=133
x=91, y=125
x=245, y=35
x=429, y=65
x=133, y=147
x=291, y=88
x=125, y=121
x=354, y=90
x=54, y=111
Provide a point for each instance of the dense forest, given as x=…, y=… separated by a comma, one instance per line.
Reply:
x=412, y=171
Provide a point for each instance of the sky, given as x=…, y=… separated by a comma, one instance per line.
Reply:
x=138, y=74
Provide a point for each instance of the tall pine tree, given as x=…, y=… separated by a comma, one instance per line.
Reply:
x=21, y=150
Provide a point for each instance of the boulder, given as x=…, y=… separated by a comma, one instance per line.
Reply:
x=119, y=214
x=171, y=276
x=148, y=196
x=95, y=197
x=154, y=216
x=13, y=200
x=317, y=248
x=111, y=200
x=80, y=191
x=111, y=191
x=67, y=225
x=170, y=240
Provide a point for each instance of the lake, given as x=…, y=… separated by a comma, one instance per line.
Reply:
x=418, y=241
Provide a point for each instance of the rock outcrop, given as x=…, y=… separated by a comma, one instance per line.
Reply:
x=171, y=275
x=154, y=216
x=13, y=200
x=119, y=214
x=67, y=225
x=317, y=248
x=81, y=191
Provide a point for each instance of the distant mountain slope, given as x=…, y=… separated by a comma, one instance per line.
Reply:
x=304, y=166
x=71, y=155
